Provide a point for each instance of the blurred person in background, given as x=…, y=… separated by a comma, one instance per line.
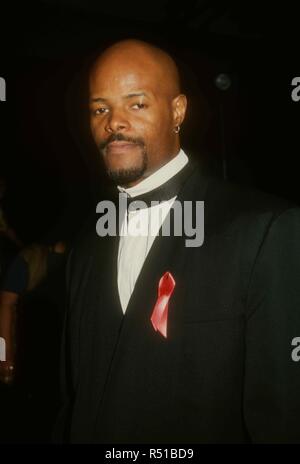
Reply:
x=31, y=302
x=10, y=243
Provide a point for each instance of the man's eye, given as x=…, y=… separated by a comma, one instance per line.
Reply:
x=100, y=111
x=139, y=106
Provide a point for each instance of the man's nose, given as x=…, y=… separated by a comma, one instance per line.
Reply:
x=117, y=122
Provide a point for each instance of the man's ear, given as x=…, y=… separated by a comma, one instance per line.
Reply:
x=179, y=104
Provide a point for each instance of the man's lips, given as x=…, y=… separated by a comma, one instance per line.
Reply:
x=120, y=146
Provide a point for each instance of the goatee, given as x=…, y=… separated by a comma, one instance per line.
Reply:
x=124, y=177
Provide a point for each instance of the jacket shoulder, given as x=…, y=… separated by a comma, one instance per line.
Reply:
x=234, y=199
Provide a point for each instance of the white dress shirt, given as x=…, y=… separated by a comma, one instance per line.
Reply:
x=134, y=248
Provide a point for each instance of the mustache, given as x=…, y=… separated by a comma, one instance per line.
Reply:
x=121, y=138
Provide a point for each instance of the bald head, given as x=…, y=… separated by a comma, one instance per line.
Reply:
x=138, y=54
x=135, y=97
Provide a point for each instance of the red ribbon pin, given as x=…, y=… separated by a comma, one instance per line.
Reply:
x=159, y=316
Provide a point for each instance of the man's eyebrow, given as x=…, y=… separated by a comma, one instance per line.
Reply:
x=98, y=99
x=130, y=95
x=136, y=94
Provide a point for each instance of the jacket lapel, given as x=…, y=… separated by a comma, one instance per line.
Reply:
x=166, y=254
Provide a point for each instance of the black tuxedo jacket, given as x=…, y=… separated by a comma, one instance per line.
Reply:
x=225, y=373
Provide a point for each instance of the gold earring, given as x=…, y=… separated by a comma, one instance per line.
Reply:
x=176, y=129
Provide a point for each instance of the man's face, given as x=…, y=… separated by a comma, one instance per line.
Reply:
x=132, y=119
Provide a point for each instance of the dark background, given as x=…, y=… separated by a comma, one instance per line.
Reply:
x=248, y=133
x=54, y=178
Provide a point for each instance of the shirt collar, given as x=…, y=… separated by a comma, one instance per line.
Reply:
x=159, y=177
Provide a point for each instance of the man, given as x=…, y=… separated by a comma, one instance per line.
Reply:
x=221, y=366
